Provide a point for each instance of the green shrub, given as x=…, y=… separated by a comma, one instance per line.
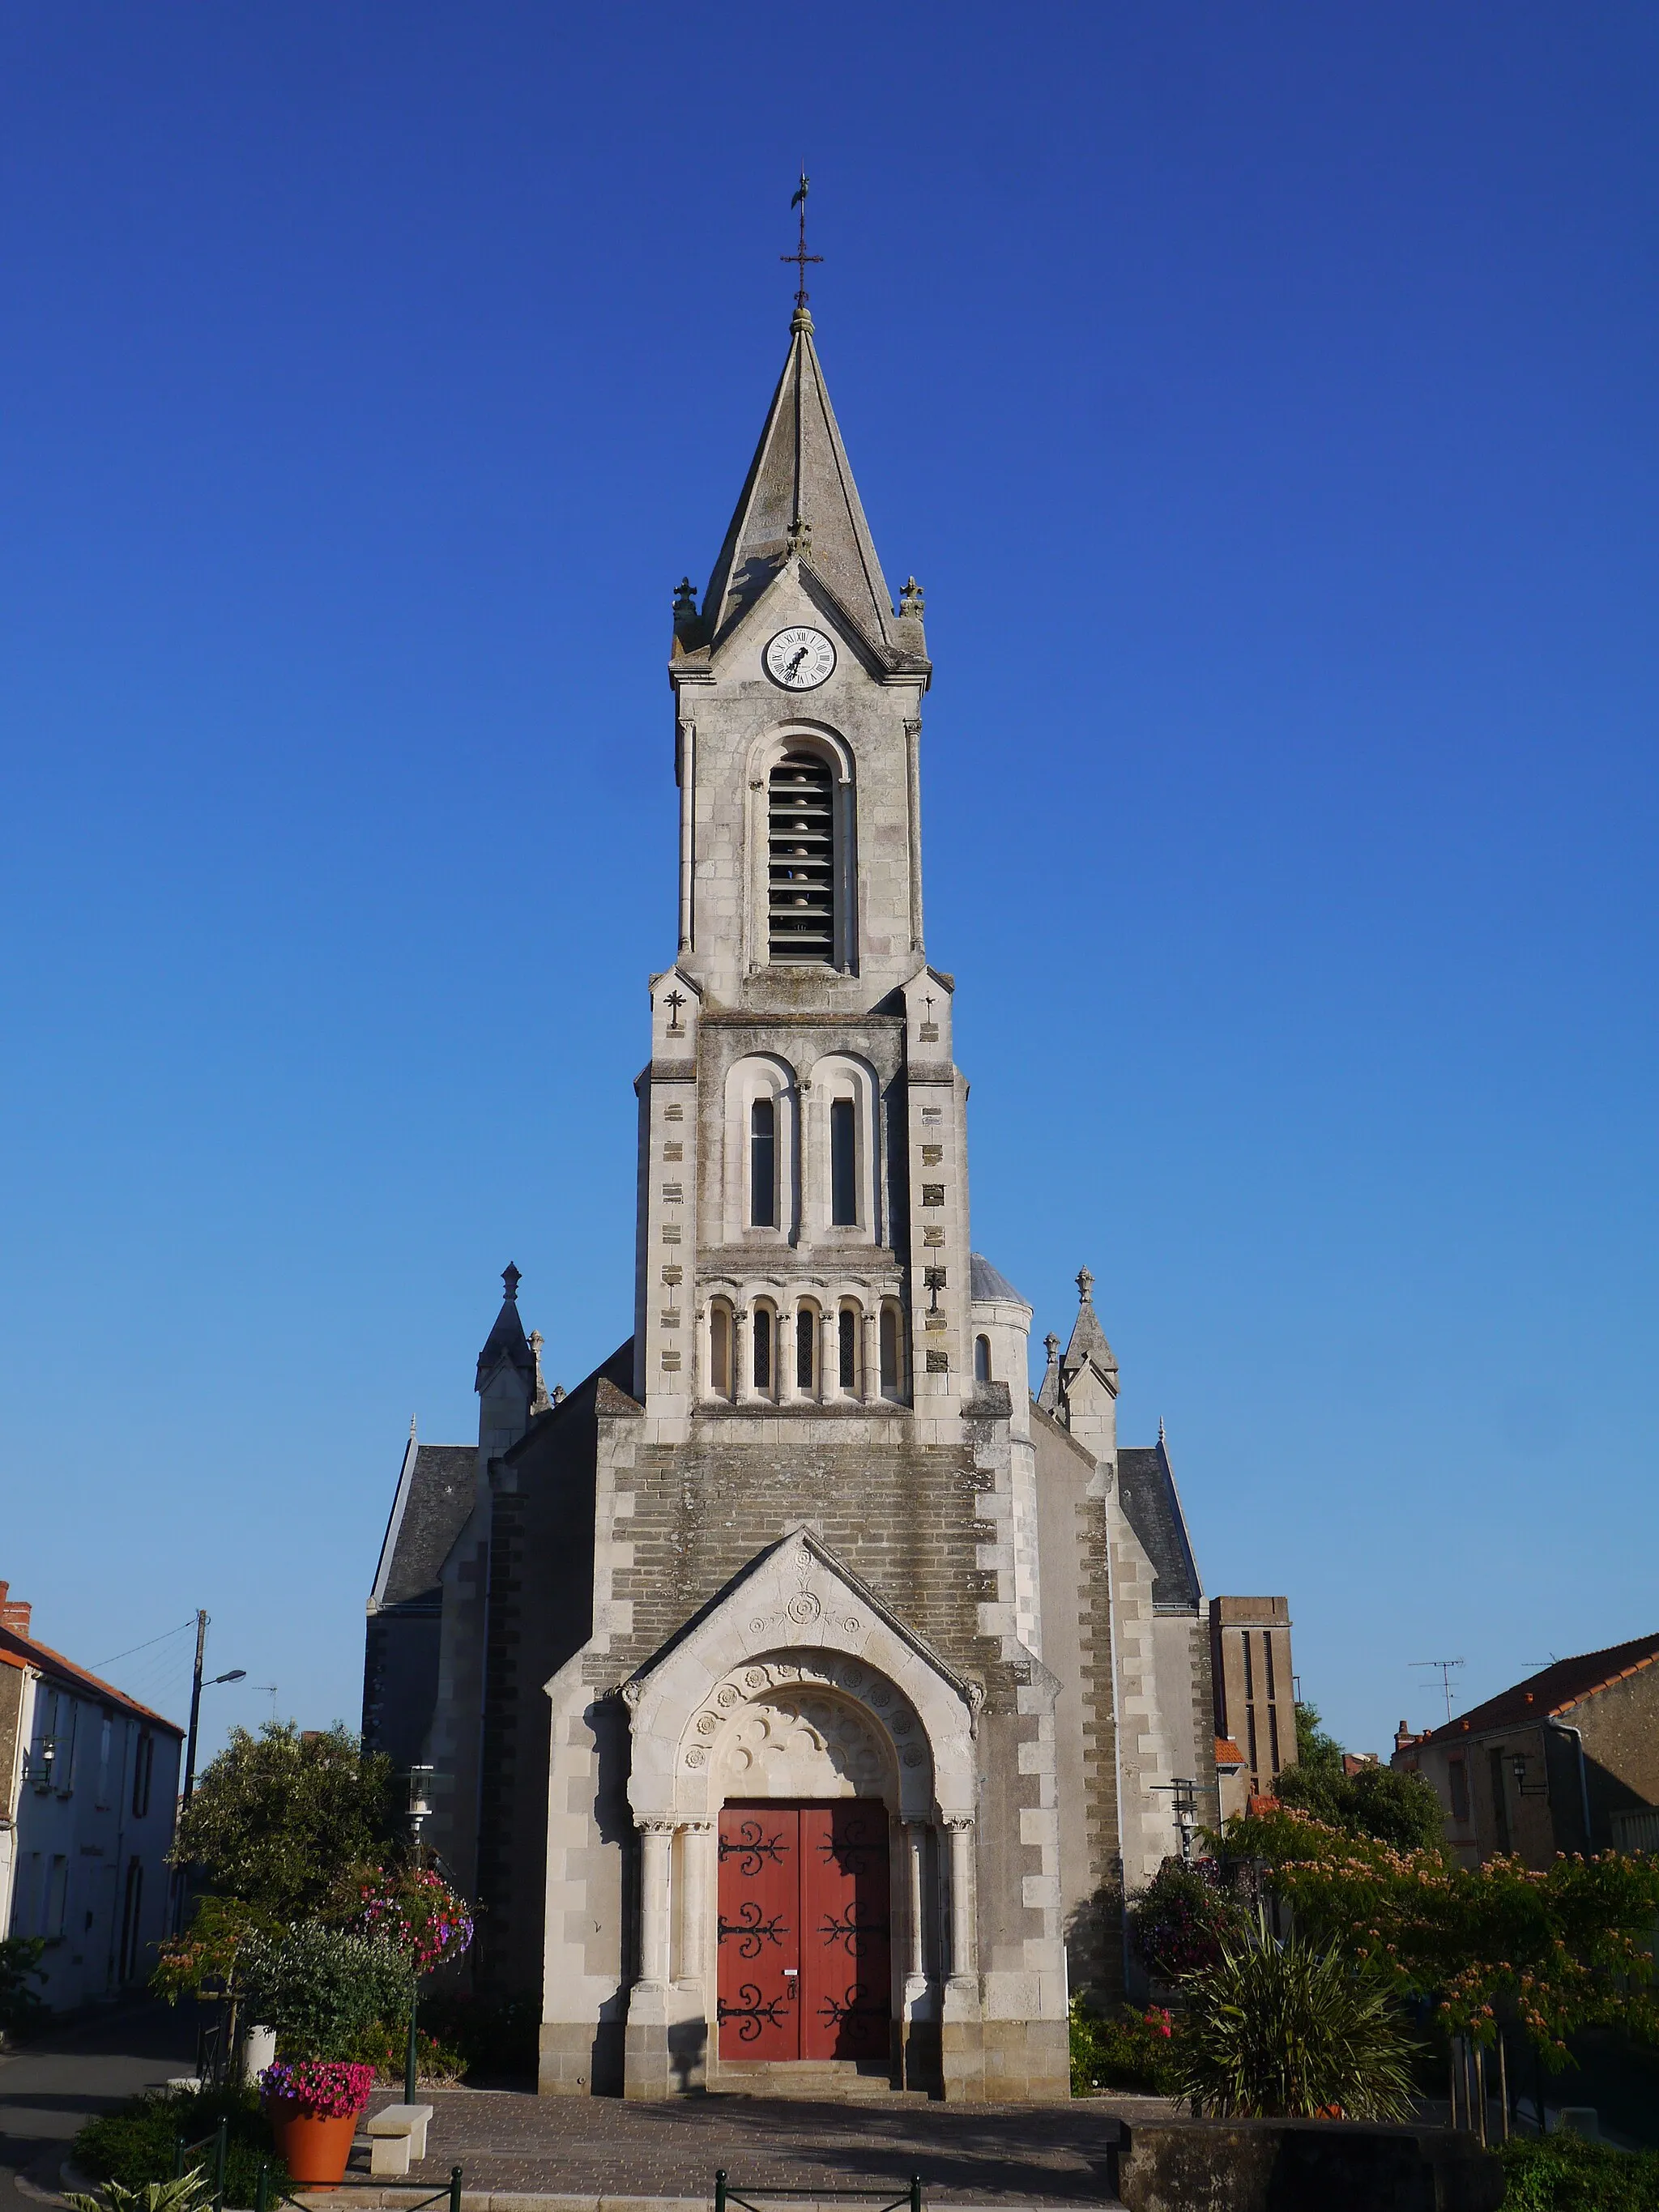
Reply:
x=20, y=1964
x=1280, y=2030
x=323, y=1989
x=387, y=2050
x=1565, y=2173
x=134, y=2145
x=1133, y=2051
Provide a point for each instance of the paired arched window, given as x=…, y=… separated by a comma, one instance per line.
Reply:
x=801, y=862
x=806, y=1349
x=763, y=1323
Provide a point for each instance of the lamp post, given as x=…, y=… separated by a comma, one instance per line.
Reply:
x=420, y=1809
x=197, y=1687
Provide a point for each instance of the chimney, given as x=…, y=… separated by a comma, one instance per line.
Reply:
x=14, y=1611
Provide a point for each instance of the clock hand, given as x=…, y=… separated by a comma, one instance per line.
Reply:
x=800, y=655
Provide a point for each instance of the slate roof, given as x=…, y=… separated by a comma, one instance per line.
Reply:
x=23, y=1651
x=985, y=1282
x=1554, y=1689
x=435, y=1494
x=1151, y=1505
x=800, y=472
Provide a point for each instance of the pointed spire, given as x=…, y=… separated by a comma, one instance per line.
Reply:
x=507, y=1340
x=1048, y=1394
x=800, y=490
x=1088, y=1344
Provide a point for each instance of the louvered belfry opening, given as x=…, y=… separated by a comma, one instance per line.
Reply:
x=803, y=861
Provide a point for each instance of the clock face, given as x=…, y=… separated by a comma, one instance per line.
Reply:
x=799, y=660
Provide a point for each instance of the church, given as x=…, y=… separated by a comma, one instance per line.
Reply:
x=801, y=1694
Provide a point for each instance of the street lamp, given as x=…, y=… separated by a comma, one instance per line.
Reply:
x=418, y=1812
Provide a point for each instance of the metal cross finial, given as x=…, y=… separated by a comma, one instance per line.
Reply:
x=1085, y=1283
x=674, y=1001
x=800, y=257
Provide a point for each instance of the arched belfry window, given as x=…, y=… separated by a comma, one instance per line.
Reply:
x=801, y=861
x=763, y=1164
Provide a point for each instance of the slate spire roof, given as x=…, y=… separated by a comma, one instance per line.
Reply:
x=1088, y=1345
x=507, y=1340
x=799, y=496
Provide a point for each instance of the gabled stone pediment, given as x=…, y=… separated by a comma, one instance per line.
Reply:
x=795, y=1597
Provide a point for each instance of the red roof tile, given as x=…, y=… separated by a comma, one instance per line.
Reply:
x=24, y=1651
x=1553, y=1690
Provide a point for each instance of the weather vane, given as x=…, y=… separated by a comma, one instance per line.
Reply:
x=800, y=257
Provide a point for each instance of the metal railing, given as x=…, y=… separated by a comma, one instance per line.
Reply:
x=220, y=2139
x=269, y=2195
x=729, y=2194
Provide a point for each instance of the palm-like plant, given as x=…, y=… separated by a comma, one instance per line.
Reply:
x=1280, y=2029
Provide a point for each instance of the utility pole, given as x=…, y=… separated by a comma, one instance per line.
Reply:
x=195, y=1705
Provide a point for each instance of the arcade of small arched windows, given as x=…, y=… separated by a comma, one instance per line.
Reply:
x=767, y=1347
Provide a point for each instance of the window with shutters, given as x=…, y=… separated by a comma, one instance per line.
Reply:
x=801, y=862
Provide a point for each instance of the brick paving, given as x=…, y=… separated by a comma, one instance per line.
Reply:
x=513, y=2141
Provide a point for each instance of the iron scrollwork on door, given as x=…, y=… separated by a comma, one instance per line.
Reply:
x=855, y=1937
x=750, y=1932
x=856, y=2002
x=857, y=1846
x=751, y=1846
x=751, y=2013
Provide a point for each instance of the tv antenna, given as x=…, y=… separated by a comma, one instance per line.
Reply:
x=1444, y=1668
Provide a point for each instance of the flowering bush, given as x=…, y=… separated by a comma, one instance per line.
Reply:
x=1132, y=2050
x=332, y=2089
x=320, y=1989
x=415, y=1909
x=1557, y=1949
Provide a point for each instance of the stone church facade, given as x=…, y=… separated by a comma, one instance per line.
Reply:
x=800, y=1691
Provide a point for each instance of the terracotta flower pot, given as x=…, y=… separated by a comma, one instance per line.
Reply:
x=313, y=2146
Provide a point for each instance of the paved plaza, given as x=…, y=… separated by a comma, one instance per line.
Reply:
x=512, y=2143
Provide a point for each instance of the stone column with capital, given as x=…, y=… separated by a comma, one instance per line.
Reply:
x=743, y=1371
x=696, y=1857
x=645, y=2043
x=871, y=1377
x=789, y=1315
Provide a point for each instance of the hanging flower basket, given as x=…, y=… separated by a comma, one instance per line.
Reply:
x=313, y=2106
x=416, y=1908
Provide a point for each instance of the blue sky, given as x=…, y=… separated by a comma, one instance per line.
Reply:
x=1264, y=396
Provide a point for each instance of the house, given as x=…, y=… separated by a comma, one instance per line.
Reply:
x=89, y=1792
x=1566, y=1761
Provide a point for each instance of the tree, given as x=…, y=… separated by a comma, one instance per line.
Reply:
x=1400, y=1809
x=280, y=1821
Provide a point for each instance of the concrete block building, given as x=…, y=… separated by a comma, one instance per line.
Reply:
x=801, y=1691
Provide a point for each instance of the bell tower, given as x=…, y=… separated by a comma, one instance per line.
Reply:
x=803, y=1199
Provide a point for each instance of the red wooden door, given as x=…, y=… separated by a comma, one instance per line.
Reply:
x=804, y=1906
x=846, y=1912
x=758, y=1903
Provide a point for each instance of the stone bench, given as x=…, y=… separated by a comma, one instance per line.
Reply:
x=397, y=2135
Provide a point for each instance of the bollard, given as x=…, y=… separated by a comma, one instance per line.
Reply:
x=915, y=2193
x=719, y=2189
x=454, y=2189
x=262, y=2189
